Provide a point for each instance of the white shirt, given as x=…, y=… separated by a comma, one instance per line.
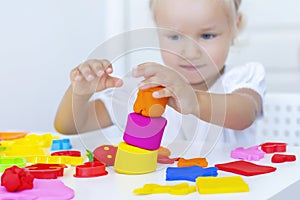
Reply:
x=119, y=103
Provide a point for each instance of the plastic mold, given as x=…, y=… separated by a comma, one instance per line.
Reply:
x=216, y=185
x=201, y=162
x=245, y=168
x=46, y=171
x=67, y=153
x=189, y=173
x=280, y=158
x=144, y=132
x=134, y=160
x=179, y=189
x=8, y=162
x=90, y=169
x=63, y=144
x=146, y=105
x=251, y=153
x=71, y=160
x=272, y=147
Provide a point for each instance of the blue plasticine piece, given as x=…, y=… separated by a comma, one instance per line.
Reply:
x=189, y=173
x=63, y=144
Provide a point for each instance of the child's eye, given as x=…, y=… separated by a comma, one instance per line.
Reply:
x=174, y=37
x=208, y=36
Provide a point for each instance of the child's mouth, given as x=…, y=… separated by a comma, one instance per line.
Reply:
x=191, y=67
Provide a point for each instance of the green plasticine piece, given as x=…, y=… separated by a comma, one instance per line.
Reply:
x=8, y=162
x=90, y=155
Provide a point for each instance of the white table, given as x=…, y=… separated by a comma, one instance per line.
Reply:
x=120, y=186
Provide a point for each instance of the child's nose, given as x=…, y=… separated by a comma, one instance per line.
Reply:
x=191, y=50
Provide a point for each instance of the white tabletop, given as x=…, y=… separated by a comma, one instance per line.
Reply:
x=120, y=186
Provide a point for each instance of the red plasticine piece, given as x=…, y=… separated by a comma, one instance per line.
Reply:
x=162, y=159
x=272, y=147
x=90, y=169
x=67, y=153
x=245, y=168
x=46, y=171
x=16, y=179
x=280, y=158
x=106, y=154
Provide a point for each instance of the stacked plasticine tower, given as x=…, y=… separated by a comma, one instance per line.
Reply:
x=143, y=134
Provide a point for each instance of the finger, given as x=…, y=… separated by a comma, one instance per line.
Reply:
x=86, y=71
x=75, y=75
x=146, y=70
x=162, y=93
x=100, y=66
x=107, y=66
x=150, y=82
x=113, y=82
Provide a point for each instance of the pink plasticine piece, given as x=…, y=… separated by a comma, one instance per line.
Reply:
x=42, y=190
x=144, y=132
x=251, y=153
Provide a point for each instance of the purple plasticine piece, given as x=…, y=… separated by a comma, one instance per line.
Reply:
x=189, y=173
x=144, y=132
x=42, y=190
x=251, y=153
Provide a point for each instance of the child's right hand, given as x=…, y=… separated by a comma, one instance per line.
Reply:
x=93, y=76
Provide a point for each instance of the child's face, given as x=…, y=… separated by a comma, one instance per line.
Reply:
x=202, y=37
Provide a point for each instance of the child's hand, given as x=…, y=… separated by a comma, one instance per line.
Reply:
x=93, y=76
x=182, y=95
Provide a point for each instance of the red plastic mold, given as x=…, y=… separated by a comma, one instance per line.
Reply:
x=67, y=153
x=280, y=158
x=272, y=147
x=90, y=169
x=46, y=171
x=245, y=168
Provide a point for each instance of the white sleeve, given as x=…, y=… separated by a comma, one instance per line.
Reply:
x=250, y=75
x=119, y=102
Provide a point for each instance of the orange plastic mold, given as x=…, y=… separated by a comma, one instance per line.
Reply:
x=146, y=105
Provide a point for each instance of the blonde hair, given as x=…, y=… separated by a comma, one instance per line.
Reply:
x=232, y=6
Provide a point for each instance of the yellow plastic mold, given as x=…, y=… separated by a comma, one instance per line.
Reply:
x=179, y=189
x=134, y=160
x=216, y=185
x=70, y=160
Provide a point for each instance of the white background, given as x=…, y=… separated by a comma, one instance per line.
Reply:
x=41, y=41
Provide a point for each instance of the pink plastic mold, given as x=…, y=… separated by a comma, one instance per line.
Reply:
x=144, y=132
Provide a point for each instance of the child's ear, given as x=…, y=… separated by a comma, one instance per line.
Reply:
x=239, y=21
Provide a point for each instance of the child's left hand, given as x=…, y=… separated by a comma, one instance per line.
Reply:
x=182, y=96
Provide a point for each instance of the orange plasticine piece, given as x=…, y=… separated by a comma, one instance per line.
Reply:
x=146, y=105
x=192, y=162
x=164, y=151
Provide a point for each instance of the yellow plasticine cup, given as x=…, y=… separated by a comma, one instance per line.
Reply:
x=134, y=160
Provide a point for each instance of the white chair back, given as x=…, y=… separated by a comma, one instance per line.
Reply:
x=281, y=121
